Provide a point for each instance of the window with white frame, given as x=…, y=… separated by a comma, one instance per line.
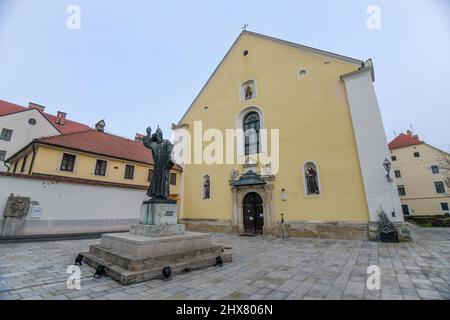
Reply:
x=129, y=172
x=6, y=134
x=100, y=167
x=440, y=188
x=251, y=125
x=2, y=155
x=68, y=162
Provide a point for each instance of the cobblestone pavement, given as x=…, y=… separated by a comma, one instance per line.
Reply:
x=262, y=268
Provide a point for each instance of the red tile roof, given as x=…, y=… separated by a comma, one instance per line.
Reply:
x=8, y=108
x=68, y=127
x=404, y=140
x=81, y=137
x=105, y=144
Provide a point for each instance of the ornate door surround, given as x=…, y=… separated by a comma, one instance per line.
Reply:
x=266, y=192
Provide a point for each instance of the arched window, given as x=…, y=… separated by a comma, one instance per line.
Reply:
x=311, y=175
x=248, y=90
x=206, y=187
x=251, y=133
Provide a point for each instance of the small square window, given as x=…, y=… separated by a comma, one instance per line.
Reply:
x=394, y=158
x=435, y=169
x=416, y=154
x=173, y=179
x=129, y=172
x=2, y=155
x=401, y=190
x=405, y=209
x=444, y=206
x=439, y=185
x=398, y=174
x=68, y=162
x=100, y=168
x=6, y=134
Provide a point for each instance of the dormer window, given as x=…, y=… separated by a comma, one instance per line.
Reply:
x=248, y=90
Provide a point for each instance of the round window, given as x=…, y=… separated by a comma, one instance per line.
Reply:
x=32, y=121
x=245, y=52
x=302, y=73
x=205, y=108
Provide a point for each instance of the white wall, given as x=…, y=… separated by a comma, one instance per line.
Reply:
x=73, y=208
x=23, y=132
x=372, y=145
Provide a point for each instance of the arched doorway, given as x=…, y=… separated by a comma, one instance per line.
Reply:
x=253, y=213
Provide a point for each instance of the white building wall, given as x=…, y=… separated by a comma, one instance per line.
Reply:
x=23, y=132
x=72, y=208
x=372, y=145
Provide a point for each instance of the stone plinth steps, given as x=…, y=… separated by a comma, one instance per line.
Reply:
x=142, y=253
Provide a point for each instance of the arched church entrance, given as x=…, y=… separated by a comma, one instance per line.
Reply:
x=253, y=213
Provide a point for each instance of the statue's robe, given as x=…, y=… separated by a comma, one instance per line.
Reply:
x=311, y=177
x=162, y=164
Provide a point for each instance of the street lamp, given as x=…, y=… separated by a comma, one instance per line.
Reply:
x=387, y=166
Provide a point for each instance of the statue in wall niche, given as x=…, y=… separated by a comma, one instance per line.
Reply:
x=248, y=92
x=162, y=164
x=206, y=188
x=17, y=207
x=311, y=179
x=234, y=175
x=266, y=169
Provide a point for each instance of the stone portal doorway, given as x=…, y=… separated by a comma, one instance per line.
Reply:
x=253, y=213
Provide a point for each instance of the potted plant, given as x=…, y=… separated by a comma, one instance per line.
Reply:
x=386, y=228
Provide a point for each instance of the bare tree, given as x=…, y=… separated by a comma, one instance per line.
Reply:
x=444, y=165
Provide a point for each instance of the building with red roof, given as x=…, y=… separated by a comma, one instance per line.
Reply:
x=90, y=156
x=404, y=140
x=420, y=174
x=79, y=179
x=20, y=125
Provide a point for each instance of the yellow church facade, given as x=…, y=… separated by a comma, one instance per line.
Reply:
x=325, y=112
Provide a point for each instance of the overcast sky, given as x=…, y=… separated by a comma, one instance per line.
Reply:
x=142, y=63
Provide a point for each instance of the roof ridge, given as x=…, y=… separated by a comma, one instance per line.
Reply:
x=117, y=136
x=18, y=105
x=89, y=130
x=66, y=134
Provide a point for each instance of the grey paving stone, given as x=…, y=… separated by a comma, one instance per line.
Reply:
x=263, y=268
x=429, y=294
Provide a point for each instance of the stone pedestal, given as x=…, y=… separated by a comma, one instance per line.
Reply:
x=130, y=258
x=161, y=230
x=142, y=253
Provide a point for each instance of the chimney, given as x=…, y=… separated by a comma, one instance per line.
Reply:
x=100, y=126
x=32, y=105
x=61, y=118
x=409, y=133
x=138, y=137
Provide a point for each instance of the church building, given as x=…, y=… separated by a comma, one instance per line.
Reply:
x=316, y=115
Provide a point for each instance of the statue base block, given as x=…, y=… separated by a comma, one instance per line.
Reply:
x=161, y=230
x=132, y=258
x=156, y=212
